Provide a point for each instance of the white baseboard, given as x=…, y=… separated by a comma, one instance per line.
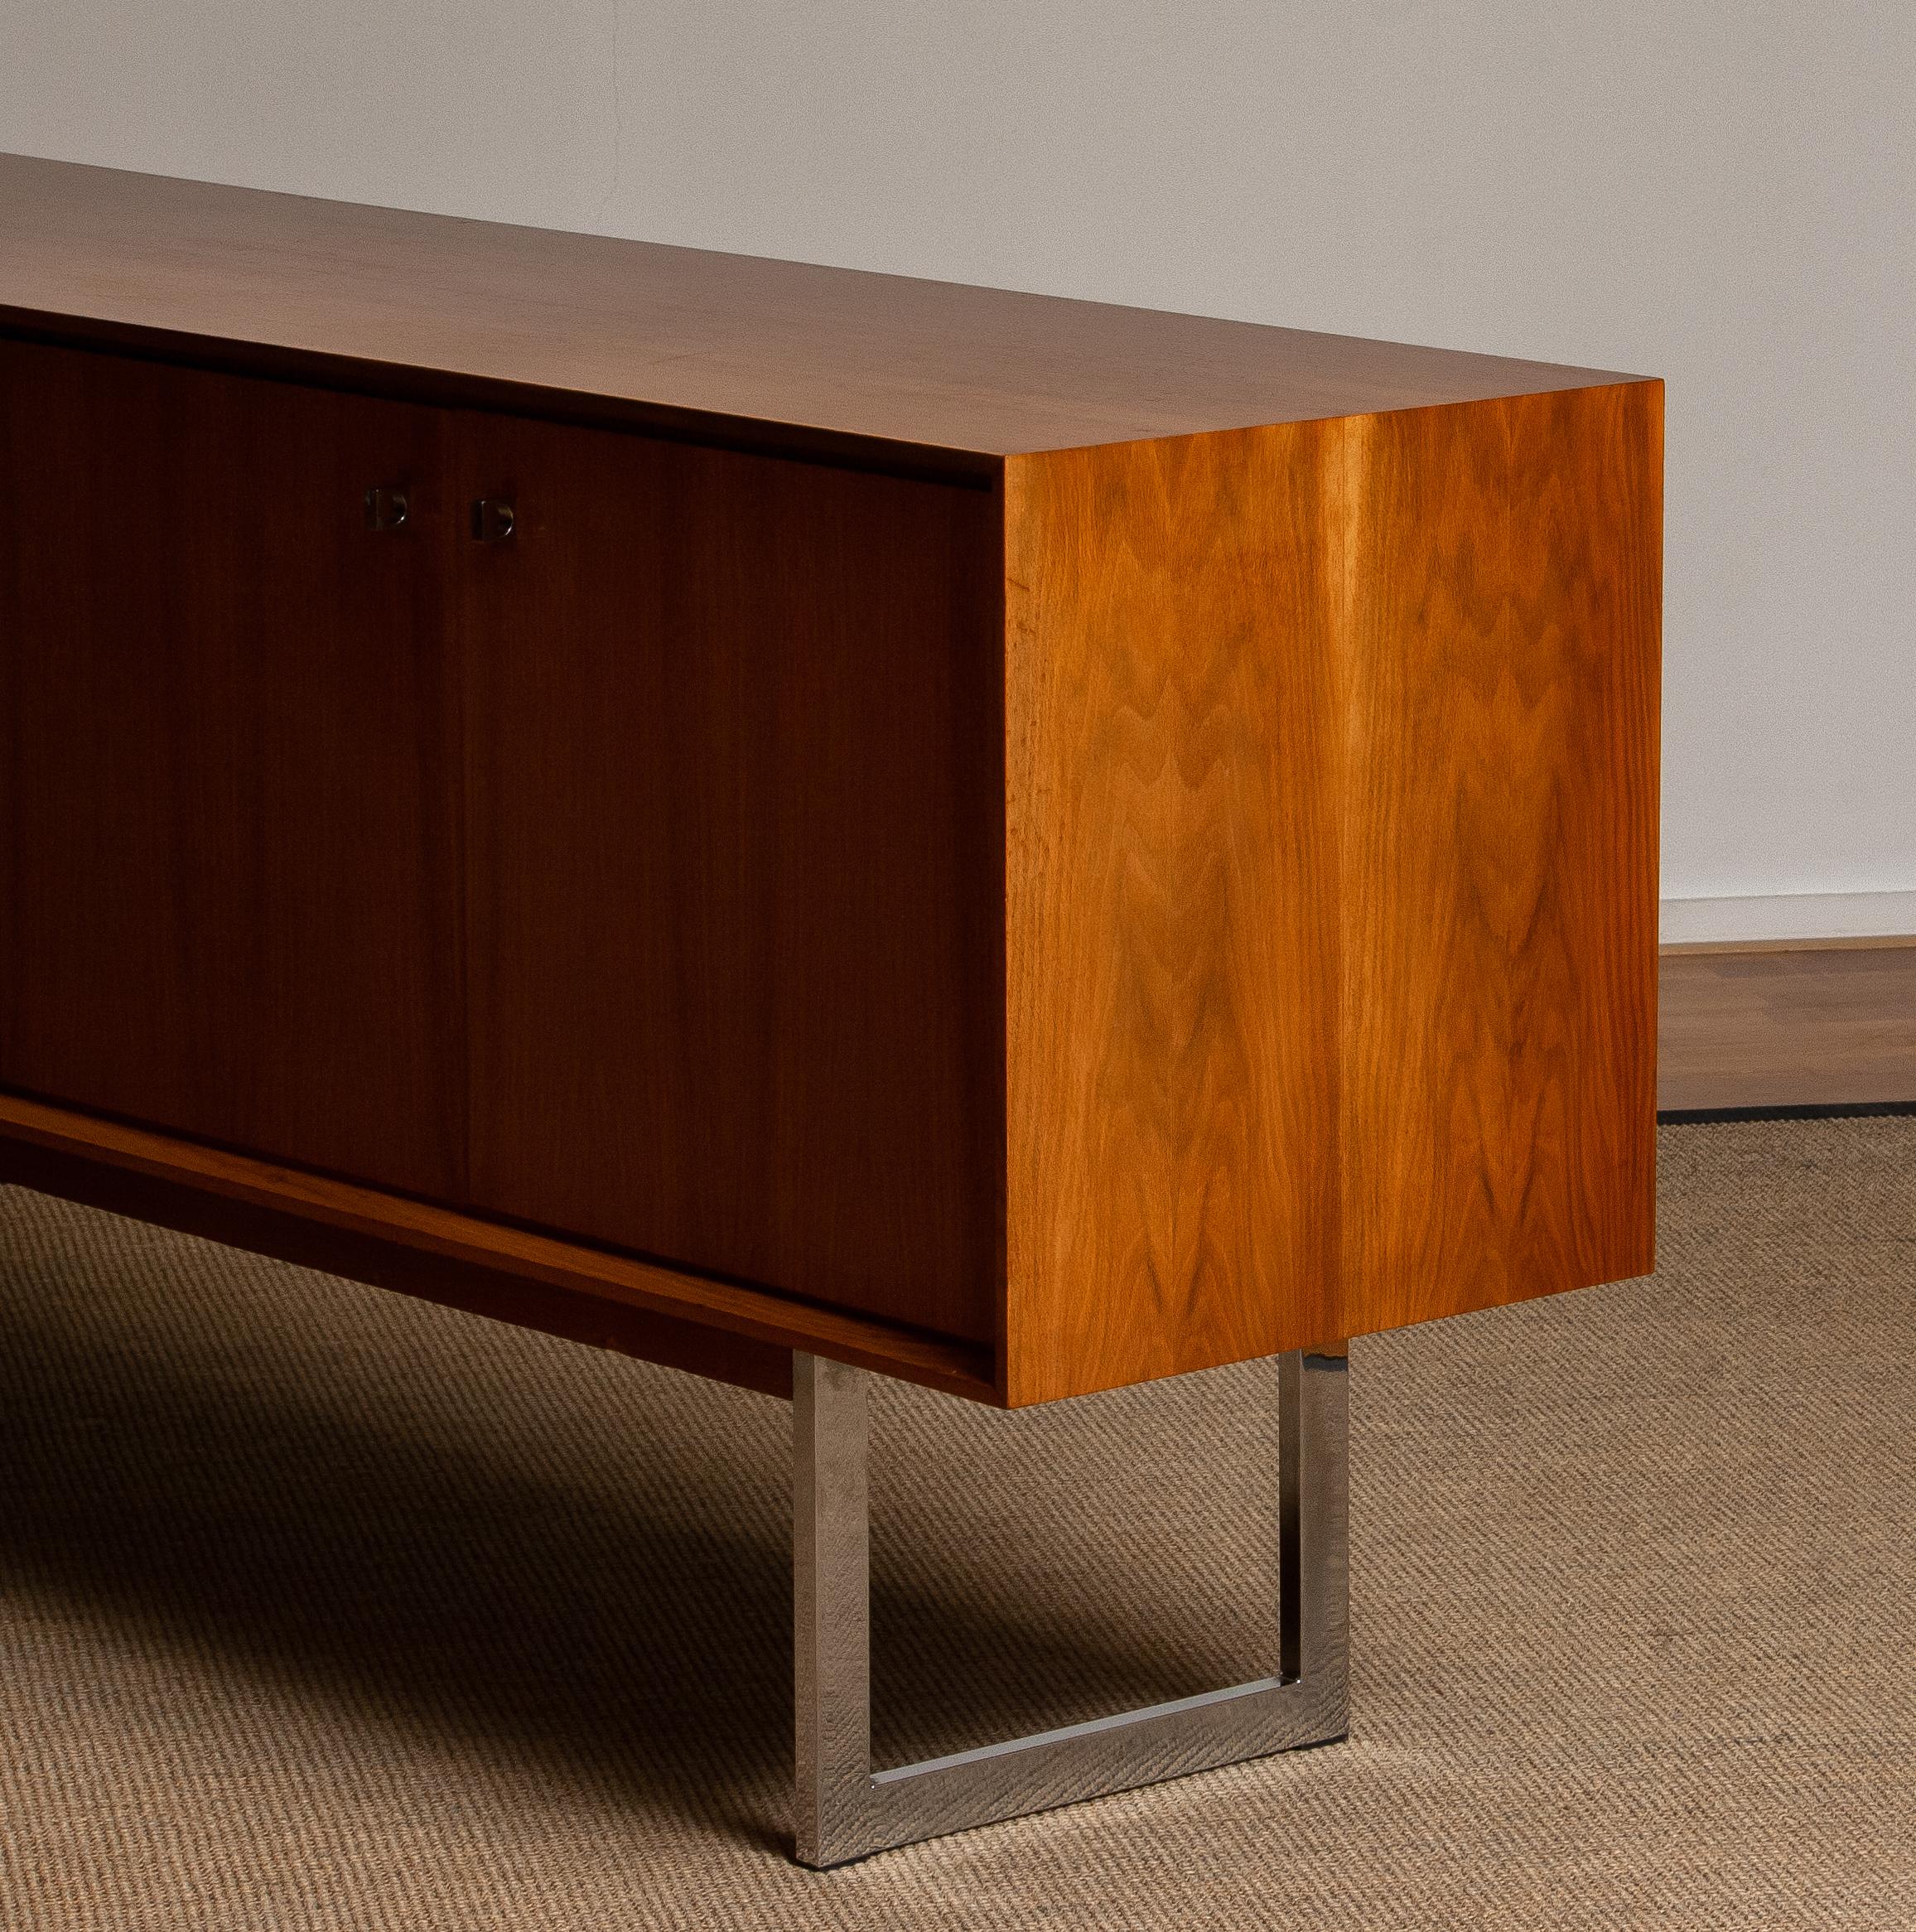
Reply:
x=1787, y=915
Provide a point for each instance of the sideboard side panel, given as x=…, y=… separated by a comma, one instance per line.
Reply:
x=1170, y=908
x=1331, y=879
x=1499, y=654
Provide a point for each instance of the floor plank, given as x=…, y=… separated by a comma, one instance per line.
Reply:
x=1802, y=1026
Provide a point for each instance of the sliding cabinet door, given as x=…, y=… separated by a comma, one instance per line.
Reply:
x=734, y=746
x=229, y=814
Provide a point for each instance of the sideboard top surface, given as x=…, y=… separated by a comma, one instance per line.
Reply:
x=683, y=336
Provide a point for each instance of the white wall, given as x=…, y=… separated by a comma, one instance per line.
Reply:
x=1721, y=194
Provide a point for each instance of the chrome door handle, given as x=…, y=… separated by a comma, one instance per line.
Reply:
x=385, y=508
x=492, y=520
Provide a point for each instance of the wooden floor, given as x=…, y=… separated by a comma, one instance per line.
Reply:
x=1812, y=1025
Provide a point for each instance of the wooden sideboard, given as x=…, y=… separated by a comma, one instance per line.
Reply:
x=719, y=807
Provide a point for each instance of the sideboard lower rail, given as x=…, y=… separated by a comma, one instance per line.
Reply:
x=735, y=1333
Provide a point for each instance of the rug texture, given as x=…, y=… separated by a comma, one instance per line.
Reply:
x=322, y=1608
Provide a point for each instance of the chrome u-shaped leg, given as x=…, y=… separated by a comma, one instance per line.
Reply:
x=846, y=1810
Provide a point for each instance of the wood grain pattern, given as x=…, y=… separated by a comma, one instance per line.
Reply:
x=229, y=787
x=959, y=824
x=509, y=1273
x=1499, y=647
x=1170, y=909
x=1331, y=879
x=735, y=756
x=702, y=343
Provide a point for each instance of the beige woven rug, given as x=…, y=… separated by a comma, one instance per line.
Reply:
x=323, y=1608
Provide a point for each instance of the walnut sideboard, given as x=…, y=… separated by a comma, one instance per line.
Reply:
x=792, y=822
